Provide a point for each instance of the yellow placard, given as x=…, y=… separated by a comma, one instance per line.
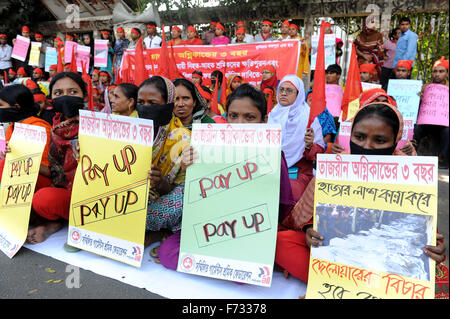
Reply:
x=376, y=214
x=19, y=178
x=35, y=53
x=110, y=191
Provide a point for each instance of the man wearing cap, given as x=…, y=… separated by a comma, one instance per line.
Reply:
x=44, y=45
x=367, y=71
x=403, y=69
x=209, y=35
x=5, y=54
x=152, y=40
x=241, y=36
x=436, y=133
x=38, y=75
x=266, y=32
x=52, y=71
x=407, y=43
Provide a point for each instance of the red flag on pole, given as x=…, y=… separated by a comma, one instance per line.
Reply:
x=139, y=64
x=164, y=57
x=73, y=62
x=87, y=79
x=318, y=99
x=353, y=87
x=60, y=67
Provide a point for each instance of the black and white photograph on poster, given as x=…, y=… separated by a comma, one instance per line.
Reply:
x=374, y=239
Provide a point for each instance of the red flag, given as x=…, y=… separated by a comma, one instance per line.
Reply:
x=173, y=69
x=73, y=62
x=140, y=73
x=5, y=75
x=164, y=57
x=125, y=69
x=60, y=67
x=87, y=79
x=117, y=76
x=353, y=87
x=318, y=101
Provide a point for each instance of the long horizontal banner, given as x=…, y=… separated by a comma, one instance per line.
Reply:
x=245, y=60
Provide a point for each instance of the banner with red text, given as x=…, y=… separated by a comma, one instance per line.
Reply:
x=108, y=207
x=376, y=214
x=245, y=60
x=230, y=207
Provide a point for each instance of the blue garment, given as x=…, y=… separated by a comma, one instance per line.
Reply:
x=406, y=47
x=326, y=120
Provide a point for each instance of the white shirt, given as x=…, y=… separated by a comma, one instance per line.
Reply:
x=247, y=39
x=152, y=42
x=5, y=56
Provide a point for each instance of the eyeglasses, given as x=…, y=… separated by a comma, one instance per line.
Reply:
x=288, y=91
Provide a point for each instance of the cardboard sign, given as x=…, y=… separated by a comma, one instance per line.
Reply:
x=376, y=214
x=51, y=58
x=69, y=46
x=406, y=94
x=20, y=49
x=334, y=94
x=109, y=201
x=35, y=53
x=83, y=53
x=224, y=234
x=330, y=50
x=19, y=178
x=434, y=107
x=101, y=53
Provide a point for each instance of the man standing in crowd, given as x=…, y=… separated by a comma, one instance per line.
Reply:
x=152, y=40
x=209, y=35
x=266, y=32
x=407, y=43
x=5, y=54
x=248, y=38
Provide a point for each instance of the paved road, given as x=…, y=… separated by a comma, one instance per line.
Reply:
x=25, y=276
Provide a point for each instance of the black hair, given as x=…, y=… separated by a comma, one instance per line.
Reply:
x=393, y=33
x=19, y=94
x=334, y=68
x=218, y=75
x=384, y=112
x=159, y=83
x=206, y=89
x=191, y=88
x=404, y=19
x=73, y=76
x=130, y=91
x=247, y=90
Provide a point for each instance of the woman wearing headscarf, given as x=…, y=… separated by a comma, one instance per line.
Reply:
x=381, y=122
x=192, y=37
x=155, y=101
x=300, y=144
x=234, y=81
x=369, y=45
x=269, y=77
x=190, y=106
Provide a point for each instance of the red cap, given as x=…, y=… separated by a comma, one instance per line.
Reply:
x=293, y=26
x=191, y=28
x=267, y=22
x=176, y=28
x=68, y=36
x=441, y=62
x=369, y=68
x=240, y=31
x=120, y=29
x=3, y=35
x=38, y=35
x=220, y=26
x=407, y=64
x=285, y=22
x=39, y=97
x=31, y=84
x=327, y=24
x=270, y=68
x=38, y=70
x=25, y=29
x=104, y=32
x=54, y=67
x=133, y=30
x=240, y=23
x=21, y=70
x=11, y=71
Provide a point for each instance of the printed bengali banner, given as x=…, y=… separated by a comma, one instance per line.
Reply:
x=378, y=199
x=19, y=178
x=245, y=60
x=109, y=201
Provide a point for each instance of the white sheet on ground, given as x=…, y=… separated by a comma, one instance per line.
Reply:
x=165, y=282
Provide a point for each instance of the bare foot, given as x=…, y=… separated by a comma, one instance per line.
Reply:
x=40, y=233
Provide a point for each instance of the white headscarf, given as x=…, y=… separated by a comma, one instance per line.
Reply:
x=294, y=120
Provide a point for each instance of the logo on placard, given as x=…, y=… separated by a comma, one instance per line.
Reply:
x=137, y=253
x=188, y=262
x=264, y=275
x=75, y=235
